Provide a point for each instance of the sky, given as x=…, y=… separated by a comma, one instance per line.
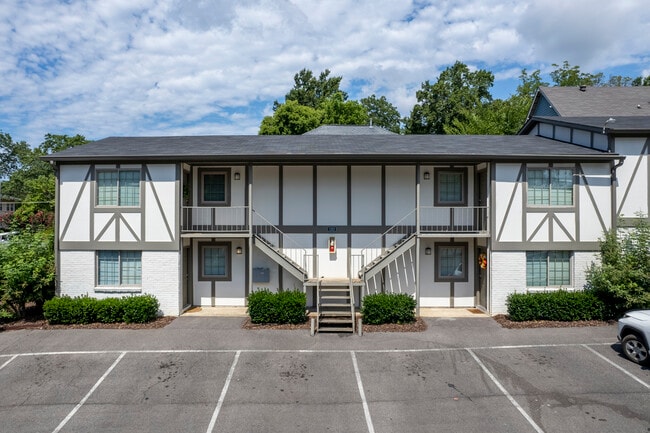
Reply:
x=203, y=67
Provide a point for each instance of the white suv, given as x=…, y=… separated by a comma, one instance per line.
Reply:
x=634, y=335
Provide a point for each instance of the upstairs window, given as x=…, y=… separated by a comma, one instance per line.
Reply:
x=451, y=187
x=548, y=268
x=118, y=188
x=550, y=187
x=215, y=187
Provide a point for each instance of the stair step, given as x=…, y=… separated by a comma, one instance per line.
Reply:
x=335, y=320
x=335, y=329
x=341, y=306
x=335, y=297
x=342, y=314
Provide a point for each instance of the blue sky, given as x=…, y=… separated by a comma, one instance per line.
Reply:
x=185, y=67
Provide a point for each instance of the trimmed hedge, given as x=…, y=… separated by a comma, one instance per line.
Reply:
x=388, y=308
x=282, y=307
x=65, y=310
x=560, y=305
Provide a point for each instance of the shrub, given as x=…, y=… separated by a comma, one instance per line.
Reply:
x=559, y=305
x=83, y=309
x=388, y=308
x=622, y=279
x=140, y=309
x=109, y=310
x=282, y=307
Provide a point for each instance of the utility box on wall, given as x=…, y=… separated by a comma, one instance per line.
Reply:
x=261, y=275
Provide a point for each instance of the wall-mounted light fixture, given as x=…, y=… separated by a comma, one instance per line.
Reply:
x=427, y=175
x=238, y=250
x=427, y=251
x=237, y=175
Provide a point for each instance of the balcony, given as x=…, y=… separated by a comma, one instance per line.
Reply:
x=466, y=220
x=199, y=219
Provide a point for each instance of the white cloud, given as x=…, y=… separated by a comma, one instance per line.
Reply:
x=143, y=67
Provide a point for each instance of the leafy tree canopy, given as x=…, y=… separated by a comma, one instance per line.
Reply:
x=311, y=91
x=457, y=92
x=337, y=111
x=291, y=118
x=382, y=113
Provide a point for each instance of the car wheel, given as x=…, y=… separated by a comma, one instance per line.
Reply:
x=635, y=349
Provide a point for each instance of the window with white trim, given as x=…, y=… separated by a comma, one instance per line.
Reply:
x=119, y=268
x=548, y=268
x=550, y=186
x=214, y=261
x=118, y=187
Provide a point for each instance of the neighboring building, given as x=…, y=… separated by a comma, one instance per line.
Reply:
x=455, y=221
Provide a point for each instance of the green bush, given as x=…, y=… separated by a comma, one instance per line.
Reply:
x=109, y=310
x=559, y=305
x=622, y=279
x=83, y=309
x=282, y=307
x=140, y=309
x=388, y=308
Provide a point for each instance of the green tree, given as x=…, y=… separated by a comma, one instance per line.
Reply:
x=641, y=81
x=27, y=271
x=11, y=154
x=567, y=75
x=499, y=117
x=530, y=83
x=457, y=92
x=382, y=113
x=622, y=279
x=291, y=118
x=311, y=91
x=337, y=111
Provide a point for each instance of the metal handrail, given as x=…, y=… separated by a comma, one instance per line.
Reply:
x=296, y=252
x=456, y=219
x=215, y=219
x=398, y=228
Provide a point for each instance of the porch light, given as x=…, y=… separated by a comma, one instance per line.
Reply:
x=237, y=175
x=427, y=251
x=427, y=175
x=238, y=250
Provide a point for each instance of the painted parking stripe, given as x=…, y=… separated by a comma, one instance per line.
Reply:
x=8, y=361
x=87, y=396
x=366, y=410
x=222, y=397
x=613, y=364
x=505, y=392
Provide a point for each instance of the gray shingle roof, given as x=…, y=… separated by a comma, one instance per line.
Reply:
x=384, y=148
x=348, y=130
x=597, y=101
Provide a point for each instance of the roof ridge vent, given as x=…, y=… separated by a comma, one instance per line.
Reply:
x=582, y=87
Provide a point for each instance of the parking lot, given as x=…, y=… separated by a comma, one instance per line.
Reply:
x=578, y=386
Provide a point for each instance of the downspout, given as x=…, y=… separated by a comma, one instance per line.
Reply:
x=417, y=240
x=57, y=209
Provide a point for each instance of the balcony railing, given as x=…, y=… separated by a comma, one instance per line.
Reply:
x=215, y=219
x=433, y=220
x=454, y=220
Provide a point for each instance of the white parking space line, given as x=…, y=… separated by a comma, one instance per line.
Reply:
x=87, y=396
x=8, y=361
x=521, y=410
x=613, y=364
x=366, y=410
x=222, y=397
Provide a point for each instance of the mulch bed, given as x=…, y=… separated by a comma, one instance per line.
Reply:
x=160, y=322
x=505, y=322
